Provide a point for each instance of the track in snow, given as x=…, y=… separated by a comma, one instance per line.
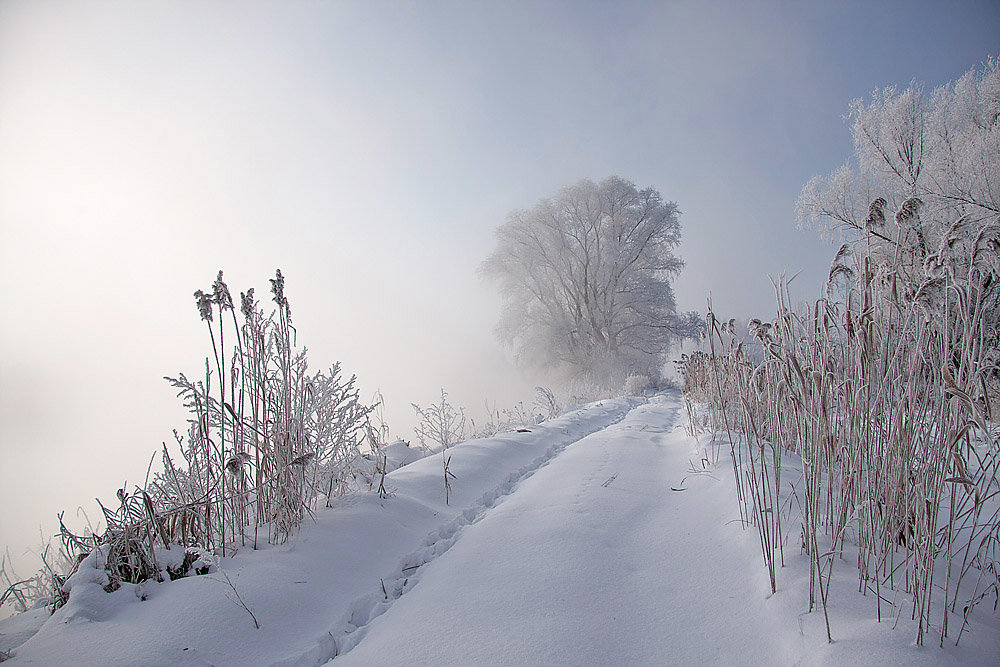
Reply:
x=591, y=560
x=353, y=627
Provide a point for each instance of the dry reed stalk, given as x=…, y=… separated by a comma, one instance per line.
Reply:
x=261, y=447
x=880, y=389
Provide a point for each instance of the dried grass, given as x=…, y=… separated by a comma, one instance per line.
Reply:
x=883, y=390
x=266, y=442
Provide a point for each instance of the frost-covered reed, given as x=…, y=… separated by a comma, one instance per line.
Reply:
x=267, y=441
x=886, y=389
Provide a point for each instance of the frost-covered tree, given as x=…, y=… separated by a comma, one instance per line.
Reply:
x=920, y=204
x=585, y=278
x=922, y=163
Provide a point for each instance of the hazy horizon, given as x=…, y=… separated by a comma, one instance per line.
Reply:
x=369, y=151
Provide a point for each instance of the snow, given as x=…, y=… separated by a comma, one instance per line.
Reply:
x=594, y=560
x=567, y=544
x=399, y=453
x=302, y=591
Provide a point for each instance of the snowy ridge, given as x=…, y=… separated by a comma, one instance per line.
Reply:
x=305, y=593
x=354, y=625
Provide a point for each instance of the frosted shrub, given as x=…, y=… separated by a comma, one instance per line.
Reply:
x=441, y=424
x=582, y=391
x=546, y=404
x=502, y=420
x=636, y=385
x=266, y=441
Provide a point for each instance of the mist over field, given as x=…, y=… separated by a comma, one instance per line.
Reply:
x=381, y=155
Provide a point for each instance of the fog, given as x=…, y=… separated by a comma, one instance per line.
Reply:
x=369, y=151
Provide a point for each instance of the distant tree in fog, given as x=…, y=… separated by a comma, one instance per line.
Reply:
x=585, y=279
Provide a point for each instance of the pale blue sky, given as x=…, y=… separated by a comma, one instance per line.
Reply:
x=369, y=149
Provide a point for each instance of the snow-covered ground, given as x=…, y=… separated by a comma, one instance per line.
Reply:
x=596, y=538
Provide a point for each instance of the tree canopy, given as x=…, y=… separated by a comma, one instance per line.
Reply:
x=932, y=158
x=585, y=279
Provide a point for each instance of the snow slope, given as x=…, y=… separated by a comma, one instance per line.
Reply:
x=598, y=538
x=304, y=593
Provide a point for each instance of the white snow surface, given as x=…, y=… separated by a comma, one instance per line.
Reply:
x=595, y=538
x=399, y=453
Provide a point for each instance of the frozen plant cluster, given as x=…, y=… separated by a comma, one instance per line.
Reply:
x=884, y=391
x=267, y=442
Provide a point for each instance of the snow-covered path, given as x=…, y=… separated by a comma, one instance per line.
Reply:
x=592, y=560
x=592, y=539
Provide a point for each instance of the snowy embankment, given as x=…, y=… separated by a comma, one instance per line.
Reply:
x=602, y=537
x=308, y=593
x=627, y=549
